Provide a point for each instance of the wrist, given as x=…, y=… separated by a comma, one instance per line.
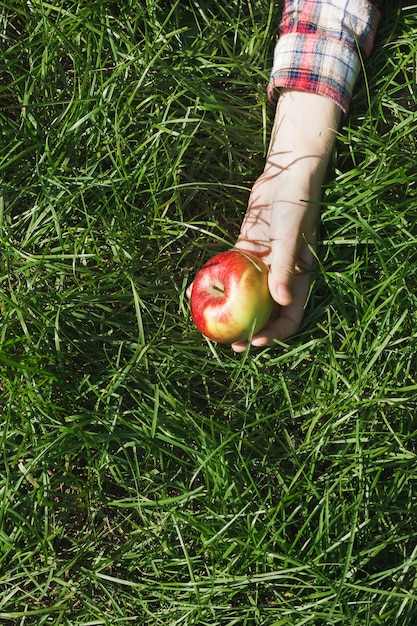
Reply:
x=298, y=183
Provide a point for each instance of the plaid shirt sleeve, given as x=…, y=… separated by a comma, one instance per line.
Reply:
x=320, y=45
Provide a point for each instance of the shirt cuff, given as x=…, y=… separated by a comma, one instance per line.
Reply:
x=319, y=51
x=315, y=64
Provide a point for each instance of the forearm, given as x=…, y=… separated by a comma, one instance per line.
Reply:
x=301, y=143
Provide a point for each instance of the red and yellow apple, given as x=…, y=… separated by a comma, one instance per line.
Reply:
x=230, y=298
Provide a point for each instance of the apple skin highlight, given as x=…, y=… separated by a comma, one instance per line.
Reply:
x=230, y=297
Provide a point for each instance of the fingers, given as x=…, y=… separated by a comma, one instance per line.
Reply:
x=287, y=319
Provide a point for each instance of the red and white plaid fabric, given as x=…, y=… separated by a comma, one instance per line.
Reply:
x=320, y=45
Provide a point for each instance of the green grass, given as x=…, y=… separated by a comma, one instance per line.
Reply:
x=148, y=477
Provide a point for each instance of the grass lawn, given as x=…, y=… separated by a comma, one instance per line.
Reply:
x=148, y=477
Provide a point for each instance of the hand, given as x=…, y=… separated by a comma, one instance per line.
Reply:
x=284, y=234
x=280, y=224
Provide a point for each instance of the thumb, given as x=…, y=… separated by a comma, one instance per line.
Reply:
x=281, y=275
x=281, y=279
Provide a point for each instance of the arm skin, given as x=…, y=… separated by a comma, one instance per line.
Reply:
x=281, y=221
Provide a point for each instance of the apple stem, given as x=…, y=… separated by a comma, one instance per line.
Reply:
x=217, y=289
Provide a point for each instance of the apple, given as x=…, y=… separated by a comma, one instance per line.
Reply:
x=230, y=298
